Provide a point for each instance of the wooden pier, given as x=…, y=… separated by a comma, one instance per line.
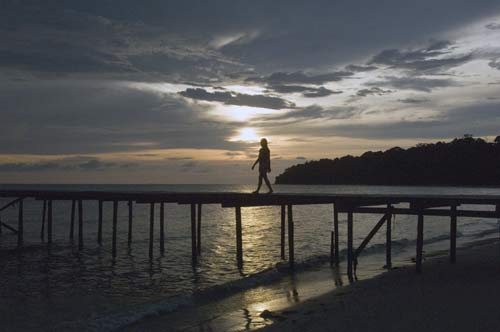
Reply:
x=486, y=206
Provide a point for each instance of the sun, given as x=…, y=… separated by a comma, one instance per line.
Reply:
x=246, y=135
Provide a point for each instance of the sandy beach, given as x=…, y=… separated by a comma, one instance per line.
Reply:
x=445, y=297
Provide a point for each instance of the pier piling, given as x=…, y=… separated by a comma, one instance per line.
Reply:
x=130, y=217
x=162, y=227
x=239, y=241
x=49, y=222
x=291, y=242
x=72, y=220
x=115, y=223
x=453, y=234
x=80, y=225
x=336, y=234
x=20, y=224
x=194, y=251
x=388, y=238
x=44, y=213
x=99, y=223
x=198, y=230
x=151, y=228
x=350, y=256
x=420, y=242
x=282, y=237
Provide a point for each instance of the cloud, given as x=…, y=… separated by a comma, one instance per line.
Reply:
x=359, y=68
x=301, y=158
x=413, y=100
x=495, y=63
x=372, y=91
x=414, y=83
x=83, y=117
x=424, y=59
x=307, y=91
x=493, y=26
x=234, y=98
x=311, y=112
x=482, y=119
x=280, y=78
x=65, y=164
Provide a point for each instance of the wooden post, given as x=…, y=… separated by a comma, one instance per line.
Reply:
x=420, y=242
x=453, y=234
x=388, y=238
x=115, y=222
x=99, y=224
x=239, y=240
x=193, y=234
x=151, y=228
x=162, y=227
x=336, y=234
x=283, y=216
x=130, y=217
x=350, y=244
x=198, y=230
x=20, y=225
x=44, y=213
x=291, y=248
x=72, y=221
x=80, y=225
x=49, y=222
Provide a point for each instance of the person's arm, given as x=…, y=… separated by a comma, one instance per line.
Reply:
x=255, y=163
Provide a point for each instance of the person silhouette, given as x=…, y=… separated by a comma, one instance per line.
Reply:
x=264, y=161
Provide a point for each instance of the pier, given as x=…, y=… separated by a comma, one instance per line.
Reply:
x=353, y=206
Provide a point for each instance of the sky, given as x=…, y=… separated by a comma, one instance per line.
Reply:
x=168, y=91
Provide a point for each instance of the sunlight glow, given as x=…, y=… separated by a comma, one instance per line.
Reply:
x=246, y=135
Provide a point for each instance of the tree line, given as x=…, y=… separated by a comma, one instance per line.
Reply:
x=463, y=161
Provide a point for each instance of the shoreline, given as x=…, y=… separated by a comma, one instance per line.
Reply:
x=274, y=307
x=444, y=297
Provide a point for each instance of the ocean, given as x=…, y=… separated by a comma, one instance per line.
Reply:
x=62, y=289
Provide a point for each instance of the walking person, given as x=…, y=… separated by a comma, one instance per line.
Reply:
x=264, y=161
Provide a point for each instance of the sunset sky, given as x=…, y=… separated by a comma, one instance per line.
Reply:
x=181, y=91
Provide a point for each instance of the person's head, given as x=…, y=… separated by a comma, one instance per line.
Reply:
x=263, y=142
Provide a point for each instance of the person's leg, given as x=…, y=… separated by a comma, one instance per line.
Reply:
x=268, y=183
x=260, y=183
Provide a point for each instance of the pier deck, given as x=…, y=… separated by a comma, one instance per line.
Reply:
x=486, y=206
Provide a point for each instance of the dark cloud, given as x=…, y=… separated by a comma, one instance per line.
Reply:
x=495, y=63
x=280, y=78
x=423, y=59
x=310, y=113
x=482, y=119
x=179, y=158
x=359, y=68
x=177, y=38
x=301, y=158
x=414, y=83
x=307, y=91
x=65, y=164
x=69, y=117
x=413, y=100
x=372, y=91
x=493, y=26
x=320, y=92
x=234, y=98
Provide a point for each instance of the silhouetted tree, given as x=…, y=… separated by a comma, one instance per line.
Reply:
x=463, y=161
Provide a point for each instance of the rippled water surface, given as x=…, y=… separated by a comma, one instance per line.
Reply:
x=43, y=287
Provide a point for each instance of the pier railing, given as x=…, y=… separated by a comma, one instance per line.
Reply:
x=488, y=206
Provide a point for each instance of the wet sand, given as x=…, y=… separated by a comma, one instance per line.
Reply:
x=446, y=297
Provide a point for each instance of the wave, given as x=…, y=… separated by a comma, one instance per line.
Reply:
x=133, y=314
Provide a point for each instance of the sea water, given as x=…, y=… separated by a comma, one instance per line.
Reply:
x=60, y=288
